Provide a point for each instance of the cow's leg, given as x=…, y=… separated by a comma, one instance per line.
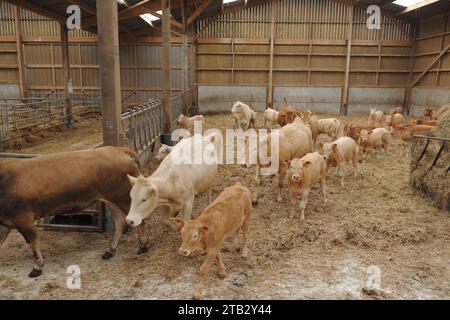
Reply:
x=222, y=273
x=203, y=274
x=258, y=175
x=166, y=213
x=340, y=173
x=303, y=204
x=293, y=207
x=323, y=186
x=29, y=232
x=187, y=207
x=355, y=165
x=119, y=223
x=245, y=231
x=265, y=123
x=143, y=241
x=282, y=174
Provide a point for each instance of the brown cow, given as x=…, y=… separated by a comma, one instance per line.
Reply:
x=427, y=122
x=430, y=112
x=229, y=213
x=405, y=133
x=68, y=182
x=354, y=131
x=287, y=115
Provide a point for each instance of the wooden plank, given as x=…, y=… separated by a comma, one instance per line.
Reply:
x=344, y=96
x=39, y=10
x=443, y=52
x=198, y=11
x=108, y=32
x=441, y=46
x=66, y=74
x=20, y=54
x=166, y=74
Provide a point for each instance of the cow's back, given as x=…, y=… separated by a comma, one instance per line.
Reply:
x=297, y=140
x=66, y=182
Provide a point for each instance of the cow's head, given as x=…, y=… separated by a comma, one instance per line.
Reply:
x=364, y=135
x=296, y=170
x=328, y=150
x=163, y=152
x=372, y=110
x=194, y=236
x=181, y=118
x=144, y=200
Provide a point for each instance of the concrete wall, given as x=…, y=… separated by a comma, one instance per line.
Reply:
x=361, y=99
x=319, y=99
x=9, y=91
x=422, y=98
x=221, y=98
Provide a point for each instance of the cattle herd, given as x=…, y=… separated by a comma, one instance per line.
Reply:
x=31, y=189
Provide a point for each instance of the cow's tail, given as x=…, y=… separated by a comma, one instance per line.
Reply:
x=4, y=232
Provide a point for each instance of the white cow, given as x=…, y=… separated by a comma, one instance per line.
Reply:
x=270, y=116
x=243, y=115
x=330, y=126
x=176, y=182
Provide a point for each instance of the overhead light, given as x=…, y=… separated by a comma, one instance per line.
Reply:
x=407, y=3
x=149, y=18
x=123, y=2
x=229, y=1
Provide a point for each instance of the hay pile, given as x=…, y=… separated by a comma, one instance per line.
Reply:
x=443, y=116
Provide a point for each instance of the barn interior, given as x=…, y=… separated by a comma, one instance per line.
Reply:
x=131, y=67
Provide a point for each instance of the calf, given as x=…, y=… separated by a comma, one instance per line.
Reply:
x=270, y=116
x=243, y=115
x=287, y=115
x=353, y=131
x=229, y=213
x=405, y=133
x=174, y=184
x=376, y=116
x=295, y=140
x=373, y=140
x=430, y=112
x=340, y=151
x=396, y=110
x=163, y=152
x=302, y=174
x=188, y=123
x=330, y=127
x=311, y=120
x=394, y=119
x=67, y=182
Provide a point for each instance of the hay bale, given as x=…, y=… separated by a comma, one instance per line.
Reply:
x=442, y=110
x=444, y=122
x=434, y=183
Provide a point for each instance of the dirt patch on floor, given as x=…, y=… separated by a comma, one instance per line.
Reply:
x=376, y=222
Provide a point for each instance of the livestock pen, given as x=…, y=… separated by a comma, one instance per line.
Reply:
x=124, y=75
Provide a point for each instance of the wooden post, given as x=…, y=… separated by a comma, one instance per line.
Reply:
x=194, y=86
x=66, y=74
x=167, y=126
x=344, y=95
x=272, y=34
x=110, y=71
x=20, y=54
x=408, y=88
x=184, y=62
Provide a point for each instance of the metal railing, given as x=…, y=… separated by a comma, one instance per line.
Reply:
x=22, y=117
x=142, y=125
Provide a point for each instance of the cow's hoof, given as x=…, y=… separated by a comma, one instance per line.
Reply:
x=221, y=275
x=35, y=273
x=196, y=297
x=143, y=248
x=107, y=255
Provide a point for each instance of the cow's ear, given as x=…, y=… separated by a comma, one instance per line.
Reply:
x=306, y=163
x=179, y=223
x=287, y=162
x=131, y=179
x=320, y=145
x=334, y=146
x=370, y=131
